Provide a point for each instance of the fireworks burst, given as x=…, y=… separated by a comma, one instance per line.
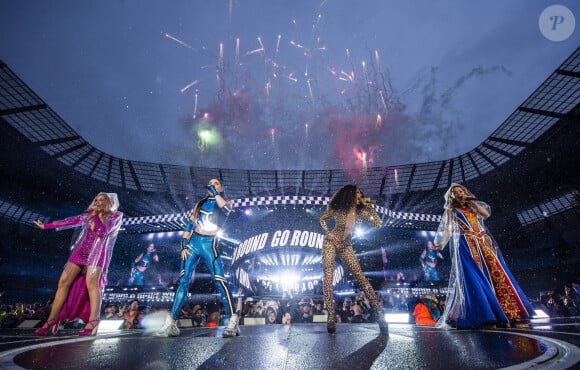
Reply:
x=260, y=96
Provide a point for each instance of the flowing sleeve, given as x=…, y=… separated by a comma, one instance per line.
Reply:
x=114, y=225
x=448, y=234
x=444, y=229
x=66, y=223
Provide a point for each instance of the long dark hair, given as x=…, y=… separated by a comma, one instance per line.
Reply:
x=344, y=199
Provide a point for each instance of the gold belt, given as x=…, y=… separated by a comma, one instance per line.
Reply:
x=478, y=234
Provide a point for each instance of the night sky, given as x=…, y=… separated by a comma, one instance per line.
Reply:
x=275, y=84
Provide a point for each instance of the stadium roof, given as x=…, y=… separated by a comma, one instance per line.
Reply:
x=532, y=158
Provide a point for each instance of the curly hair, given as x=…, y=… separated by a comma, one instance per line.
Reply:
x=344, y=199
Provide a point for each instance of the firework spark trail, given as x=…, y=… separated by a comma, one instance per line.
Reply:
x=379, y=121
x=351, y=63
x=179, y=41
x=310, y=89
x=291, y=77
x=220, y=72
x=299, y=46
x=267, y=88
x=384, y=79
x=368, y=99
x=382, y=95
x=367, y=81
x=315, y=25
x=378, y=61
x=237, y=50
x=347, y=77
x=278, y=44
x=195, y=104
x=186, y=87
x=258, y=50
x=261, y=45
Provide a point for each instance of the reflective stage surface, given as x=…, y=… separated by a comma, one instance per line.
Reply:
x=549, y=343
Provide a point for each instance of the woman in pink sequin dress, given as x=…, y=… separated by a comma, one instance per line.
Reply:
x=81, y=284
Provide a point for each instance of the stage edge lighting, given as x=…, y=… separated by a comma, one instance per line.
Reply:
x=539, y=314
x=110, y=326
x=397, y=318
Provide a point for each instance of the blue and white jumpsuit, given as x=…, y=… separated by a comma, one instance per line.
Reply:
x=138, y=278
x=208, y=220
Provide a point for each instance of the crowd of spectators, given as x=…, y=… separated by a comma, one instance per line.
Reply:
x=564, y=300
x=284, y=310
x=12, y=315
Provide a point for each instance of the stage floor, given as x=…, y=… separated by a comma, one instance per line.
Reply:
x=550, y=343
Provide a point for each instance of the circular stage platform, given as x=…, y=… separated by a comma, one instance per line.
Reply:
x=548, y=344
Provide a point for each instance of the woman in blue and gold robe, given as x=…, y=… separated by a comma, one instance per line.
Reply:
x=482, y=291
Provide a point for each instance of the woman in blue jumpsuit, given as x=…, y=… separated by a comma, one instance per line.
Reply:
x=199, y=242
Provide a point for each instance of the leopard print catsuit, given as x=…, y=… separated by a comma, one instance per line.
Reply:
x=335, y=243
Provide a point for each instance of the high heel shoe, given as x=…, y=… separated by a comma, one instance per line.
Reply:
x=55, y=327
x=90, y=331
x=41, y=332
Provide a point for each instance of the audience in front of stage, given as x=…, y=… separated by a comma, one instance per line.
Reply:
x=305, y=314
x=133, y=316
x=271, y=316
x=13, y=315
x=110, y=312
x=564, y=300
x=421, y=314
x=199, y=318
x=287, y=318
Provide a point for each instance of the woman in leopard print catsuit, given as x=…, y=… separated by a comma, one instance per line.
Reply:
x=347, y=206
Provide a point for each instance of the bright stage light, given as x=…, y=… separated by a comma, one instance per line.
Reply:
x=540, y=314
x=397, y=318
x=110, y=326
x=348, y=292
